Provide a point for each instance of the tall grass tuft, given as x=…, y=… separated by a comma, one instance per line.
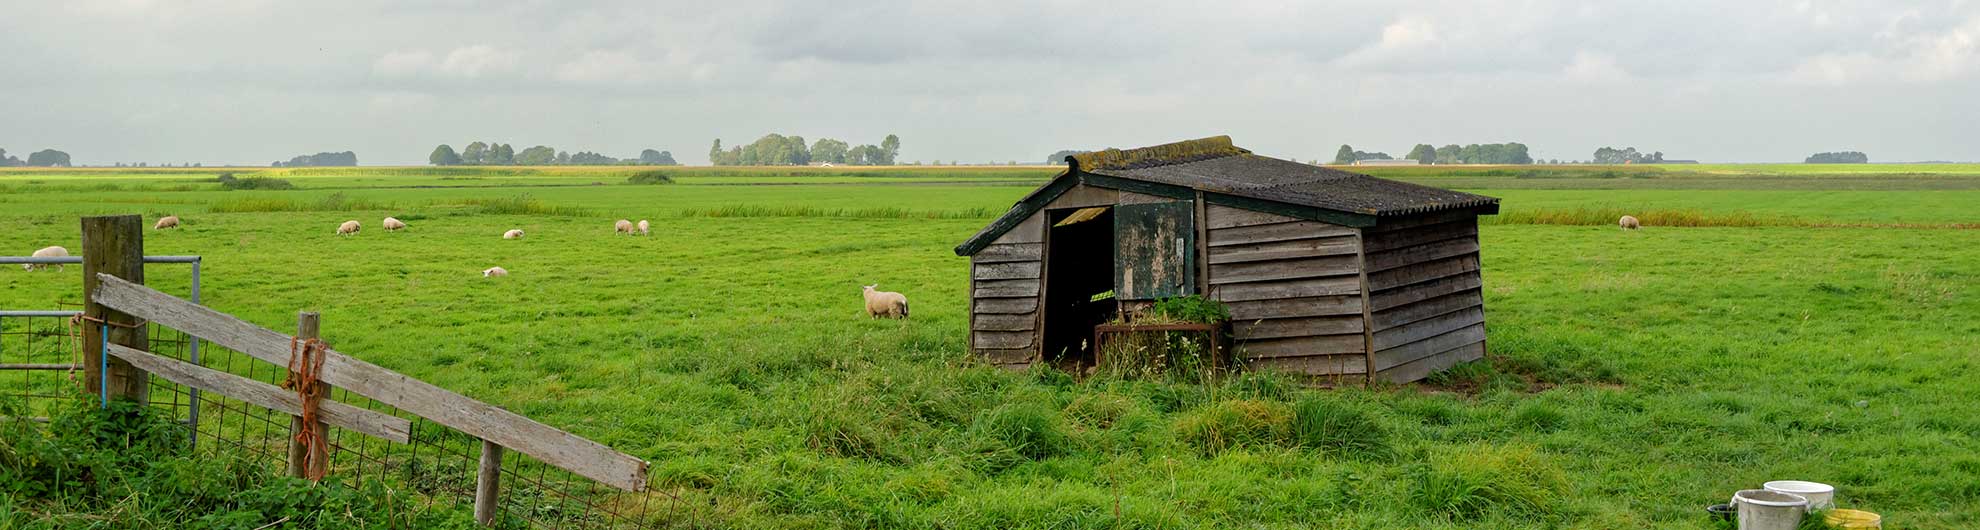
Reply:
x=1341, y=428
x=1028, y=429
x=335, y=202
x=650, y=177
x=1469, y=482
x=1233, y=424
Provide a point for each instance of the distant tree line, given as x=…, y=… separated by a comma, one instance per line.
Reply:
x=1839, y=157
x=1506, y=153
x=345, y=158
x=1059, y=157
x=500, y=154
x=779, y=150
x=1626, y=155
x=42, y=158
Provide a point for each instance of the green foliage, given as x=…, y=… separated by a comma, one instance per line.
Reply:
x=229, y=182
x=1028, y=429
x=1423, y=153
x=1234, y=424
x=444, y=155
x=345, y=158
x=48, y=158
x=1466, y=483
x=522, y=205
x=650, y=177
x=1193, y=308
x=1340, y=428
x=1840, y=157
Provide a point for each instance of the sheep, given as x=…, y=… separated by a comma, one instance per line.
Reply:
x=348, y=228
x=169, y=221
x=644, y=226
x=50, y=252
x=884, y=303
x=513, y=234
x=622, y=227
x=494, y=272
x=392, y=224
x=1628, y=222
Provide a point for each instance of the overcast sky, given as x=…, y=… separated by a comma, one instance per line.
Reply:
x=252, y=82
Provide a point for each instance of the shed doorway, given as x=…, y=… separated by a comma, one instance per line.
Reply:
x=1079, y=283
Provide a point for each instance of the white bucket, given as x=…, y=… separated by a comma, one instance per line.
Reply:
x=1769, y=510
x=1820, y=496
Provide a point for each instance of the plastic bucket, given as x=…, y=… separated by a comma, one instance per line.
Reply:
x=1848, y=519
x=1769, y=510
x=1820, y=496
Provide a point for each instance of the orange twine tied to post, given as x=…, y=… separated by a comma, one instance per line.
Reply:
x=305, y=365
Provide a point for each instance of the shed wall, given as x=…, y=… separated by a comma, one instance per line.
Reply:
x=1427, y=306
x=1293, y=288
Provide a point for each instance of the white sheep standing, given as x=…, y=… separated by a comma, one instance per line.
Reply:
x=1629, y=222
x=513, y=234
x=392, y=224
x=622, y=226
x=644, y=226
x=884, y=303
x=348, y=228
x=494, y=272
x=50, y=252
x=169, y=221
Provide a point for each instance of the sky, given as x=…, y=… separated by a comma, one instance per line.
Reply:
x=250, y=82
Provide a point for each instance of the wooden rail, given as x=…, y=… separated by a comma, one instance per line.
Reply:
x=378, y=424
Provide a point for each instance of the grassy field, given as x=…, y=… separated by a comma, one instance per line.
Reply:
x=1799, y=331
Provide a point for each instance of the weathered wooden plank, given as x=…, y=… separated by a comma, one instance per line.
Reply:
x=1378, y=262
x=1015, y=270
x=1429, y=327
x=1003, y=253
x=1297, y=248
x=1413, y=293
x=1129, y=197
x=1421, y=368
x=377, y=424
x=997, y=322
x=1006, y=305
x=1295, y=327
x=1397, y=356
x=1318, y=306
x=1221, y=216
x=1420, y=235
x=1302, y=346
x=1246, y=235
x=1007, y=356
x=1423, y=272
x=1031, y=230
x=1007, y=289
x=1408, y=313
x=1350, y=364
x=481, y=420
x=1391, y=224
x=1260, y=271
x=1001, y=339
x=1084, y=196
x=1239, y=292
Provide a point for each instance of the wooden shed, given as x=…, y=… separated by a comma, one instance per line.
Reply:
x=1326, y=272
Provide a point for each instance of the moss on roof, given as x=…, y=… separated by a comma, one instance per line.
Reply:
x=1165, y=154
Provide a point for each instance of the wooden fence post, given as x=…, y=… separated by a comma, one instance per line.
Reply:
x=113, y=245
x=308, y=325
x=488, y=484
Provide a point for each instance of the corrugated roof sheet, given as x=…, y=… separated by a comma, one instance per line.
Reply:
x=1248, y=175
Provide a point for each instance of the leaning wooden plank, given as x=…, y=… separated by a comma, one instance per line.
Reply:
x=1220, y=216
x=1297, y=248
x=1404, y=256
x=1320, y=345
x=1261, y=271
x=1001, y=339
x=1423, y=272
x=1312, y=364
x=1408, y=313
x=481, y=420
x=997, y=322
x=381, y=425
x=1006, y=355
x=1421, y=368
x=1421, y=235
x=1003, y=253
x=1016, y=270
x=1006, y=305
x=1247, y=235
x=1423, y=291
x=1385, y=359
x=1239, y=292
x=1429, y=327
x=1295, y=327
x=1317, y=306
x=1007, y=289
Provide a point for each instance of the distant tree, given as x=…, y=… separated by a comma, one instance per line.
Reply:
x=501, y=155
x=541, y=155
x=1423, y=153
x=587, y=158
x=1839, y=157
x=563, y=158
x=444, y=155
x=1345, y=155
x=8, y=160
x=1059, y=157
x=1448, y=154
x=475, y=154
x=1378, y=155
x=651, y=157
x=715, y=153
x=1626, y=155
x=890, y=147
x=829, y=151
x=48, y=158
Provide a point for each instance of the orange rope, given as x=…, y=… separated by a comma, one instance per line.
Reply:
x=305, y=365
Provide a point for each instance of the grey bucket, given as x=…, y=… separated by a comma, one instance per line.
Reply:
x=1769, y=510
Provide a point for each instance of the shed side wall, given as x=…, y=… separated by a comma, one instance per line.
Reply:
x=1426, y=295
x=1005, y=280
x=1293, y=289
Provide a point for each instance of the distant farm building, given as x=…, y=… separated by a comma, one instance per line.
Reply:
x=1326, y=272
x=1392, y=162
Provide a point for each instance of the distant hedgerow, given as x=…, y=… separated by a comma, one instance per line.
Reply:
x=229, y=182
x=650, y=177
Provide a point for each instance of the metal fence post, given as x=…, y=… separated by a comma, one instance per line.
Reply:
x=308, y=325
x=113, y=245
x=488, y=484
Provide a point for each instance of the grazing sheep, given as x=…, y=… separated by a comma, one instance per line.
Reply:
x=644, y=226
x=884, y=303
x=348, y=228
x=392, y=224
x=512, y=234
x=50, y=252
x=622, y=227
x=1628, y=222
x=494, y=272
x=169, y=221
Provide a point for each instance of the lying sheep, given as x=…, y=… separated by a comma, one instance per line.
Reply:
x=494, y=272
x=348, y=228
x=622, y=227
x=512, y=234
x=50, y=252
x=1629, y=222
x=644, y=226
x=884, y=303
x=393, y=224
x=169, y=221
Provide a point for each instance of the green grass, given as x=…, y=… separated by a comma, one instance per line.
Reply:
x=1633, y=377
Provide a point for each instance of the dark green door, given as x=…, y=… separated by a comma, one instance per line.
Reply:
x=1154, y=250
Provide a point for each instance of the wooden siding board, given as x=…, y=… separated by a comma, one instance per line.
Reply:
x=1004, y=253
x=1295, y=327
x=1031, y=230
x=1007, y=289
x=1247, y=235
x=1005, y=356
x=1004, y=322
x=1381, y=261
x=1220, y=216
x=1295, y=307
x=1421, y=235
x=1014, y=270
x=1083, y=196
x=1423, y=291
x=1421, y=368
x=1006, y=305
x=1291, y=269
x=1290, y=249
x=1429, y=327
x=1423, y=272
x=1002, y=340
x=1392, y=224
x=1407, y=313
x=1388, y=358
x=1350, y=364
x=1303, y=346
x=1335, y=217
x=1240, y=292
